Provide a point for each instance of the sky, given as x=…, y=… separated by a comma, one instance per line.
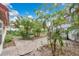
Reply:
x=23, y=9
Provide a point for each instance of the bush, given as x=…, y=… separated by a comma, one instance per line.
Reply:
x=28, y=28
x=8, y=38
x=14, y=33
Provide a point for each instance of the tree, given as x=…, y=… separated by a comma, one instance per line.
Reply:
x=28, y=27
x=58, y=30
x=37, y=28
x=56, y=19
x=24, y=24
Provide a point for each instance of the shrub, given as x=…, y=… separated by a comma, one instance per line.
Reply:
x=8, y=38
x=14, y=33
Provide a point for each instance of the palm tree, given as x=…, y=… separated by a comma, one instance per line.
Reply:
x=54, y=34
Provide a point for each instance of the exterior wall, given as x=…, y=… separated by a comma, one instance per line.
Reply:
x=4, y=14
x=4, y=18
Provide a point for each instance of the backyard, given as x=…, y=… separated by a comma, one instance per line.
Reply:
x=53, y=32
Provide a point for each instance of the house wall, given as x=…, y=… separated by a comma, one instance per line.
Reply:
x=4, y=18
x=4, y=14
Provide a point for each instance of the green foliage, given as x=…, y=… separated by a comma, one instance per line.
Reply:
x=14, y=33
x=37, y=28
x=56, y=19
x=28, y=27
x=8, y=38
x=56, y=36
x=24, y=26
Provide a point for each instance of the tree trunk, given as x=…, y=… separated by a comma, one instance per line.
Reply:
x=51, y=46
x=38, y=34
x=50, y=41
x=67, y=36
x=54, y=47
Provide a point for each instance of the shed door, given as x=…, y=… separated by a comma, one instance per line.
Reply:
x=1, y=31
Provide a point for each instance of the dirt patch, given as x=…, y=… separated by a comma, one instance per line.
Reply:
x=42, y=35
x=33, y=38
x=70, y=49
x=12, y=43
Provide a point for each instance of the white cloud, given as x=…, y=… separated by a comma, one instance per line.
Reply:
x=10, y=13
x=30, y=16
x=13, y=18
x=41, y=11
x=13, y=13
x=47, y=11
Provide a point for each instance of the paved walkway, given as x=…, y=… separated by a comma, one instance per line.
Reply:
x=24, y=46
